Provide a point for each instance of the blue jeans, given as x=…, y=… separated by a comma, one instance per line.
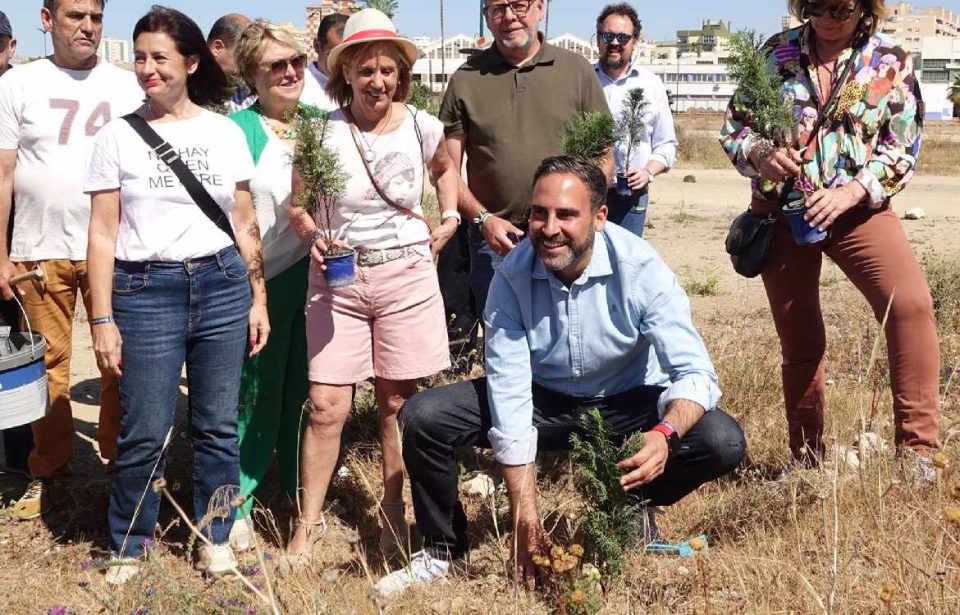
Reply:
x=483, y=263
x=629, y=212
x=170, y=313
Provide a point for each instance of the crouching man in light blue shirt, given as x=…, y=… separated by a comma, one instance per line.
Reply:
x=582, y=315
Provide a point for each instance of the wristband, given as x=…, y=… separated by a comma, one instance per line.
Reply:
x=482, y=217
x=451, y=214
x=650, y=175
x=101, y=321
x=317, y=235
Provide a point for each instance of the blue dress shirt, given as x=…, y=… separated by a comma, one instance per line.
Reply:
x=623, y=324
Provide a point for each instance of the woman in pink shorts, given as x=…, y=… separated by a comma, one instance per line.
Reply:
x=390, y=322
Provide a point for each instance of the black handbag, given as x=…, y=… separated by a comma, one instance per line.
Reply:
x=748, y=242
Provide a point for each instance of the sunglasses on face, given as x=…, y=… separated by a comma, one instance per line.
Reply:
x=498, y=11
x=278, y=68
x=839, y=13
x=621, y=37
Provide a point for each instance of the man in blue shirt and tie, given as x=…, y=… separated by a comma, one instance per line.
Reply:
x=583, y=315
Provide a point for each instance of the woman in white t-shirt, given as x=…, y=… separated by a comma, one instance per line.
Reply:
x=274, y=383
x=169, y=286
x=390, y=322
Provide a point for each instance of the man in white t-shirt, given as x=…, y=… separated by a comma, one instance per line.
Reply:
x=50, y=111
x=222, y=41
x=329, y=35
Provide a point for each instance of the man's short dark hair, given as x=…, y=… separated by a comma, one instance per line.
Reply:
x=624, y=10
x=228, y=29
x=333, y=21
x=51, y=5
x=584, y=169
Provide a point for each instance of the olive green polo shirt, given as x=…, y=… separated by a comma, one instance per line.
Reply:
x=514, y=117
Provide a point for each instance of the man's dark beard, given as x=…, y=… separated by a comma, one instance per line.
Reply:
x=606, y=64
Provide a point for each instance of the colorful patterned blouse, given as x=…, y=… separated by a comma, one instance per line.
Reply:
x=873, y=135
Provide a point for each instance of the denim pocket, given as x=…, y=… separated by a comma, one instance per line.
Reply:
x=125, y=283
x=234, y=269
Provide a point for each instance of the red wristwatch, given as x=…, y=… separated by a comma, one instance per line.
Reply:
x=670, y=433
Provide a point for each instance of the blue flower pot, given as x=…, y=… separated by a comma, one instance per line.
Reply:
x=803, y=233
x=623, y=185
x=341, y=270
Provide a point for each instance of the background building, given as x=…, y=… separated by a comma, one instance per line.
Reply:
x=317, y=11
x=910, y=25
x=115, y=51
x=940, y=68
x=713, y=36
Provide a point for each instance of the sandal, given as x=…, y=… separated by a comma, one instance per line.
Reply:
x=315, y=531
x=393, y=534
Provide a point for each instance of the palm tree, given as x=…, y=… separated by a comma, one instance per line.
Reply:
x=955, y=96
x=387, y=7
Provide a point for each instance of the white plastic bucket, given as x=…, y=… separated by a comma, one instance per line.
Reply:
x=23, y=381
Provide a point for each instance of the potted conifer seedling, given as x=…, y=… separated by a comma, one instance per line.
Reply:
x=323, y=182
x=590, y=135
x=630, y=125
x=760, y=99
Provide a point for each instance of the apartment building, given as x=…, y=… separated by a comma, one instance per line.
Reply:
x=910, y=25
x=115, y=50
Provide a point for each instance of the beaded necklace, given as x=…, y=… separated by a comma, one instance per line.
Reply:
x=287, y=133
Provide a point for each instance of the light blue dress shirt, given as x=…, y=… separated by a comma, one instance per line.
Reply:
x=623, y=324
x=659, y=136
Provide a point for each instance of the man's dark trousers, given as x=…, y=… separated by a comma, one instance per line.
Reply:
x=437, y=421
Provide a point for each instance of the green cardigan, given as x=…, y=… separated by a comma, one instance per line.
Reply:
x=257, y=137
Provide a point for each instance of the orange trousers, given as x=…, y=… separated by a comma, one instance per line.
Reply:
x=50, y=305
x=872, y=250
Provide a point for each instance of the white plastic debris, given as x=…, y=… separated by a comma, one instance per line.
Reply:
x=480, y=485
x=869, y=443
x=914, y=214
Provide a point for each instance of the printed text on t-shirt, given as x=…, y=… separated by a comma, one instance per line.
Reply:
x=196, y=159
x=97, y=120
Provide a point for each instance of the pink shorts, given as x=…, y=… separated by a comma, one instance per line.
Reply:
x=390, y=323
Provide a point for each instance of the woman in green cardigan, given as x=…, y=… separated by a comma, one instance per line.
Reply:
x=273, y=387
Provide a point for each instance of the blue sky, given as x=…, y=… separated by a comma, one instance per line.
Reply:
x=661, y=18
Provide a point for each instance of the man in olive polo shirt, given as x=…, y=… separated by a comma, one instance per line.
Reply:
x=506, y=109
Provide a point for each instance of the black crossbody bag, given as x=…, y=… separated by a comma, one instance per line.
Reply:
x=194, y=188
x=750, y=236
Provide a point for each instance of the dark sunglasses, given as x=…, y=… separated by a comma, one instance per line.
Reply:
x=278, y=68
x=839, y=13
x=496, y=12
x=621, y=37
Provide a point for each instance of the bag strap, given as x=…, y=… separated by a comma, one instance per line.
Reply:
x=194, y=188
x=386, y=199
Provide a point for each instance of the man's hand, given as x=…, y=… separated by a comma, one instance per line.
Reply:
x=530, y=540
x=638, y=179
x=781, y=165
x=7, y=271
x=646, y=465
x=825, y=206
x=496, y=231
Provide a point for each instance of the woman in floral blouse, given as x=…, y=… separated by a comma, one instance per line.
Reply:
x=864, y=154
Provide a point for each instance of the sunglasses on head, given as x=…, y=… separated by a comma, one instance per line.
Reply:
x=839, y=13
x=621, y=37
x=278, y=68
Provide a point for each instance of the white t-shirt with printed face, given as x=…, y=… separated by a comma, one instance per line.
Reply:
x=51, y=117
x=361, y=218
x=158, y=219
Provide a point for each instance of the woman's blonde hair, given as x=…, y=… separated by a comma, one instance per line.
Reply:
x=342, y=92
x=872, y=9
x=252, y=44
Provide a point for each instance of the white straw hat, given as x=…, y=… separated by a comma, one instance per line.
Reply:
x=367, y=26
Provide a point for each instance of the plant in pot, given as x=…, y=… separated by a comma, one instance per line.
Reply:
x=322, y=183
x=630, y=126
x=771, y=117
x=590, y=135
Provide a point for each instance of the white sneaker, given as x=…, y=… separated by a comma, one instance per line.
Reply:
x=241, y=536
x=122, y=570
x=216, y=559
x=422, y=569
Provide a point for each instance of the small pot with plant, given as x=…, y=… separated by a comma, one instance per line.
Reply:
x=322, y=183
x=630, y=125
x=760, y=96
x=590, y=135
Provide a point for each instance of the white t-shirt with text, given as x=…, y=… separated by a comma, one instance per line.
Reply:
x=51, y=117
x=159, y=221
x=361, y=218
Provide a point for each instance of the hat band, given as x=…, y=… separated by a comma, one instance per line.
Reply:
x=365, y=34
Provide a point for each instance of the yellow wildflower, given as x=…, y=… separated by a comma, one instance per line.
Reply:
x=576, y=551
x=577, y=597
x=698, y=544
x=940, y=460
x=888, y=591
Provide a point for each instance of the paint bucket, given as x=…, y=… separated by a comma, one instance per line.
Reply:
x=23, y=379
x=341, y=269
